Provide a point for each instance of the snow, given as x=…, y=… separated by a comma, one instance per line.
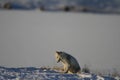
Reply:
x=85, y=75
x=100, y=78
x=30, y=73
x=99, y=6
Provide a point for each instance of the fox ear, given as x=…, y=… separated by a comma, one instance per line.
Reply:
x=58, y=52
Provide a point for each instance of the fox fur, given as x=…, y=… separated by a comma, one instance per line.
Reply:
x=69, y=62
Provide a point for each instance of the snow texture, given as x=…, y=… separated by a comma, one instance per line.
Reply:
x=31, y=73
x=100, y=6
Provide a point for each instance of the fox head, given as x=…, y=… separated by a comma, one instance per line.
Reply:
x=58, y=56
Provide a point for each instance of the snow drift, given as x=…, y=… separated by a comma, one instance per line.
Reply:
x=32, y=73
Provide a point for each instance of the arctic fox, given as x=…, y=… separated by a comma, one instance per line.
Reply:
x=69, y=62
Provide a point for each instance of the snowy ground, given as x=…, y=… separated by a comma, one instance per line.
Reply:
x=31, y=73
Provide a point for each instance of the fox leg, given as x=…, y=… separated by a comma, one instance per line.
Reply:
x=66, y=68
